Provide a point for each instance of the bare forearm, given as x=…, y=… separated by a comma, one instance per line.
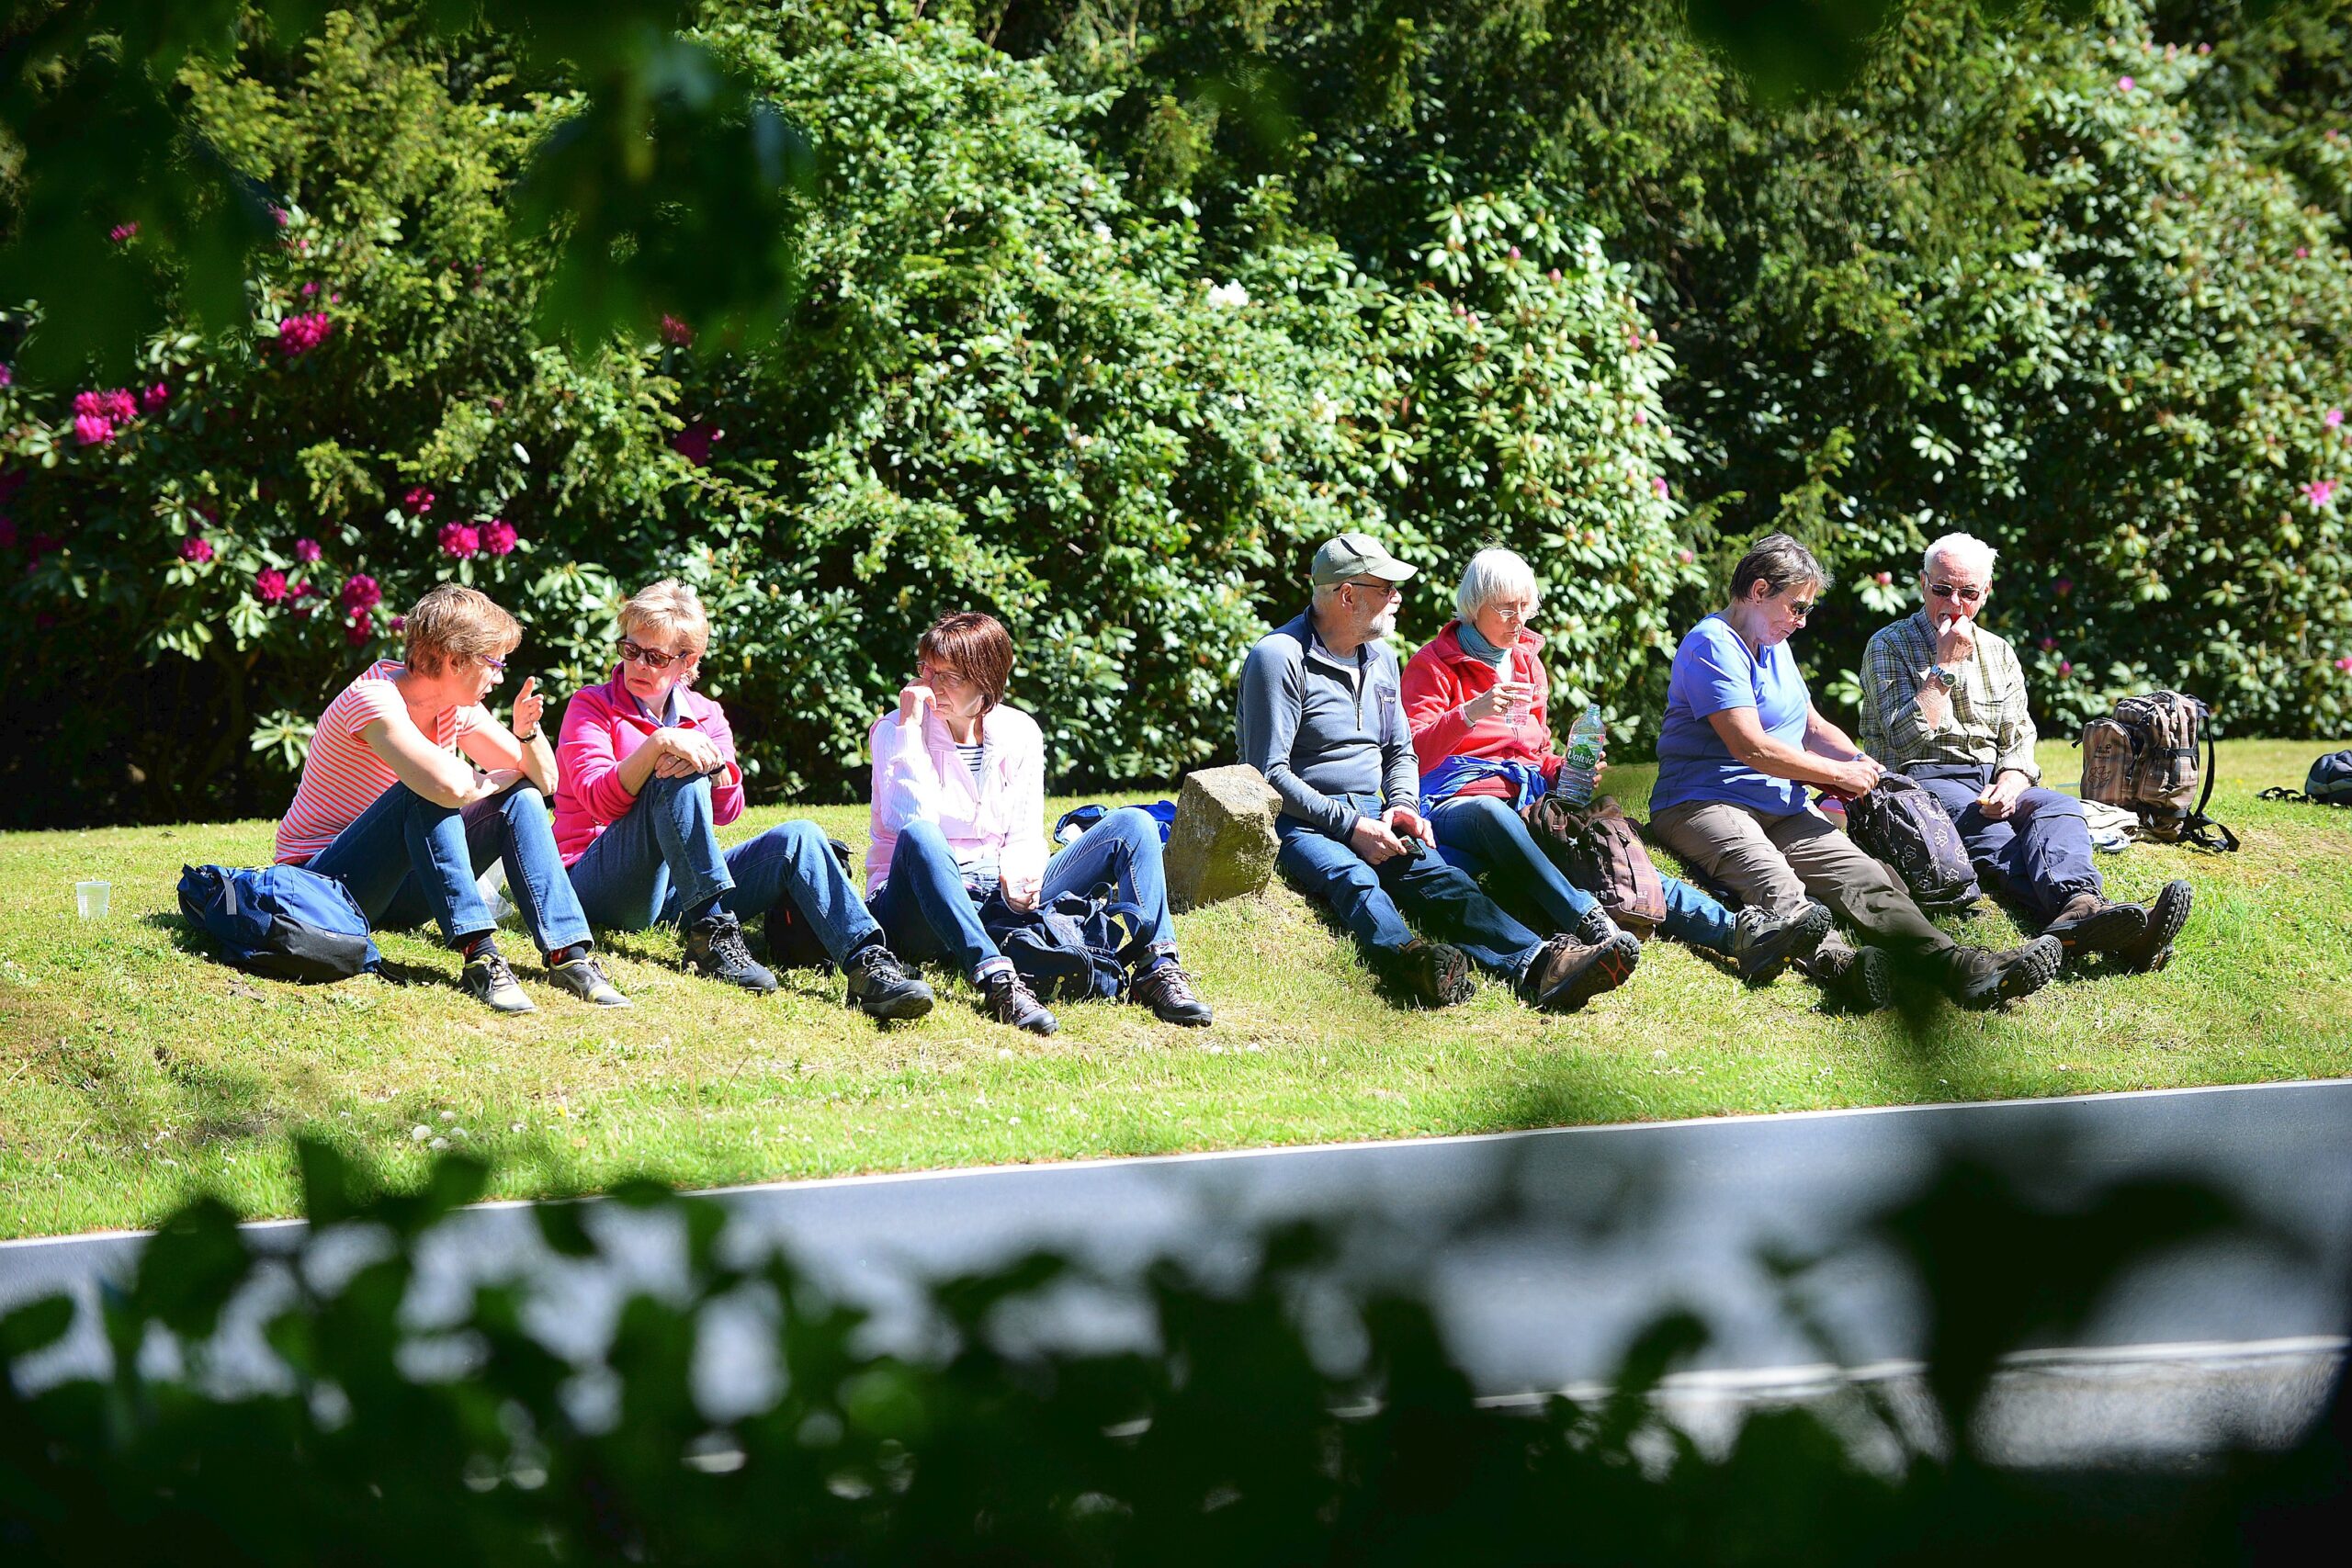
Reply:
x=1783, y=760
x=637, y=766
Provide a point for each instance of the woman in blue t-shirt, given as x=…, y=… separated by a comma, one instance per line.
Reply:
x=1742, y=740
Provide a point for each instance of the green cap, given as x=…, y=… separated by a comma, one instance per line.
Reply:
x=1356, y=555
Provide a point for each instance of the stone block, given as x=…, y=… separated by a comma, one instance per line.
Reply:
x=1222, y=845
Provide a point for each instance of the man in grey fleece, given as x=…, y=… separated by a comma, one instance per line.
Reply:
x=1322, y=719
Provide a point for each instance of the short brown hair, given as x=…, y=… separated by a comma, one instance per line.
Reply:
x=454, y=622
x=1780, y=563
x=667, y=608
x=975, y=646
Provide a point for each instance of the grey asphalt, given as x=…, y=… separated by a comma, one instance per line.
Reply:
x=1543, y=1252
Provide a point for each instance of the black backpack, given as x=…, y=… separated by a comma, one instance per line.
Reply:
x=1076, y=947
x=792, y=941
x=2328, y=784
x=1900, y=821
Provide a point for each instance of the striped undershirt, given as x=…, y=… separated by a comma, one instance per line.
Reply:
x=343, y=776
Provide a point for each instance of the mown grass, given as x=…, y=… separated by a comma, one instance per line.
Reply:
x=134, y=1071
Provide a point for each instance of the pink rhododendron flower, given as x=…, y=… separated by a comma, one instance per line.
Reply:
x=119, y=406
x=2332, y=418
x=2302, y=253
x=300, y=335
x=498, y=537
x=91, y=430
x=2320, y=493
x=196, y=548
x=1685, y=556
x=305, y=589
x=283, y=217
x=400, y=622
x=1658, y=484
x=1640, y=416
x=676, y=332
x=1514, y=253
x=694, y=442
x=360, y=592
x=7, y=377
x=121, y=234
x=2065, y=586
x=155, y=397
x=306, y=550
x=2344, y=662
x=419, y=500
x=360, y=629
x=2049, y=644
x=459, y=540
x=309, y=288
x=269, y=585
x=1885, y=580
x=2065, y=667
x=2124, y=84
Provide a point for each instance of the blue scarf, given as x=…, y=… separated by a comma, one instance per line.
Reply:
x=1480, y=648
x=1444, y=781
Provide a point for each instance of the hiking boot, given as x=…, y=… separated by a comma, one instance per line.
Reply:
x=1597, y=927
x=1006, y=998
x=1980, y=977
x=2167, y=912
x=2090, y=924
x=584, y=978
x=715, y=948
x=1763, y=944
x=487, y=978
x=1436, y=973
x=1168, y=992
x=1566, y=973
x=880, y=986
x=1856, y=977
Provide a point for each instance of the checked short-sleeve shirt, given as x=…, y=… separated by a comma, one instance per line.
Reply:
x=1990, y=725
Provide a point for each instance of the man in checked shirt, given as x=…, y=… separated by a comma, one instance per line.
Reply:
x=1944, y=701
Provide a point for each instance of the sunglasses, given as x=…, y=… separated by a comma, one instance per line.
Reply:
x=1802, y=609
x=635, y=652
x=1385, y=589
x=1945, y=590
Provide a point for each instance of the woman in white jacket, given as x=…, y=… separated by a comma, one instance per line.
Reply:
x=959, y=812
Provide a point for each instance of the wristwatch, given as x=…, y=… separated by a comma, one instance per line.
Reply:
x=1944, y=675
x=528, y=738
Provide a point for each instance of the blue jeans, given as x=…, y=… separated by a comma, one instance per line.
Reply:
x=663, y=858
x=2038, y=855
x=929, y=911
x=1485, y=837
x=404, y=859
x=1367, y=898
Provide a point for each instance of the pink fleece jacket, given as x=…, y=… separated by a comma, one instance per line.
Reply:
x=601, y=726
x=918, y=777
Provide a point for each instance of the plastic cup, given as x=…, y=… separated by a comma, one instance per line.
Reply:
x=90, y=899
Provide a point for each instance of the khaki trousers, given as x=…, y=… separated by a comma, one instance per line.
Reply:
x=1775, y=860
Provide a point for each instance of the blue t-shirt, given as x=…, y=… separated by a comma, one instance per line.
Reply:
x=1713, y=671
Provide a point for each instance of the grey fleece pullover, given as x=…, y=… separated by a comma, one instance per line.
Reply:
x=1318, y=725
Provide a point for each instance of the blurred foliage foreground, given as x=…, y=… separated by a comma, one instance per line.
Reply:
x=1279, y=1414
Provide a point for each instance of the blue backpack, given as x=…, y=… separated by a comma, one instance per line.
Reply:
x=1079, y=818
x=279, y=921
x=1076, y=947
x=2328, y=784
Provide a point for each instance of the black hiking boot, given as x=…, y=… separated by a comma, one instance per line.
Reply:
x=1566, y=973
x=1980, y=977
x=1168, y=992
x=715, y=948
x=1436, y=973
x=880, y=986
x=2090, y=924
x=2167, y=912
x=1858, y=978
x=1006, y=998
x=1763, y=944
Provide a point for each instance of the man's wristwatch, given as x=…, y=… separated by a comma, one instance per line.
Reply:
x=1944, y=675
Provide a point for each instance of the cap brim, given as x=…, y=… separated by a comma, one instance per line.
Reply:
x=1392, y=571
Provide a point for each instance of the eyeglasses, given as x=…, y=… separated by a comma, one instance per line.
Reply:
x=494, y=661
x=1801, y=610
x=1945, y=590
x=635, y=652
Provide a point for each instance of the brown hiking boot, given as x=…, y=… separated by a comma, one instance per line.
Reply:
x=1860, y=978
x=2090, y=924
x=1437, y=974
x=2167, y=912
x=1566, y=973
x=1980, y=977
x=1168, y=992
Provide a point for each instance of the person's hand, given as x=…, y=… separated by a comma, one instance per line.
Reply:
x=1498, y=698
x=1857, y=777
x=696, y=750
x=1403, y=819
x=913, y=699
x=1955, y=639
x=1935, y=704
x=529, y=707
x=1021, y=896
x=1374, y=841
x=2000, y=797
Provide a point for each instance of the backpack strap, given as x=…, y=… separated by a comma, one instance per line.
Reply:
x=2296, y=795
x=2201, y=829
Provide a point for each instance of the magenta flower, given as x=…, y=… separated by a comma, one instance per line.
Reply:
x=300, y=335
x=154, y=397
x=269, y=585
x=1554, y=274
x=1685, y=556
x=2344, y=662
x=2049, y=644
x=305, y=589
x=309, y=288
x=2332, y=418
x=675, y=333
x=459, y=540
x=2302, y=253
x=2124, y=84
x=2065, y=667
x=119, y=406
x=2065, y=586
x=1640, y=416
x=1885, y=580
x=360, y=594
x=419, y=500
x=121, y=234
x=7, y=377
x=400, y=622
x=1658, y=484
x=306, y=550
x=694, y=442
x=93, y=430
x=195, y=549
x=280, y=214
x=498, y=537
x=1514, y=253
x=360, y=629
x=2320, y=494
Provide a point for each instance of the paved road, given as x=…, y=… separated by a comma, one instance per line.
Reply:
x=1545, y=1251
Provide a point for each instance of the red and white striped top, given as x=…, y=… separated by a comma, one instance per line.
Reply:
x=343, y=776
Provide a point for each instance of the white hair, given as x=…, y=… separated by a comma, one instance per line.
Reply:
x=1491, y=575
x=1964, y=549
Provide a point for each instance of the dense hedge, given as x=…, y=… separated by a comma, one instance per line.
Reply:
x=1102, y=327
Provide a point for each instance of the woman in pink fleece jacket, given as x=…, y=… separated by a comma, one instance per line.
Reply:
x=647, y=778
x=959, y=819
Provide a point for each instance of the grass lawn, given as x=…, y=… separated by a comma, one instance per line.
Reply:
x=134, y=1072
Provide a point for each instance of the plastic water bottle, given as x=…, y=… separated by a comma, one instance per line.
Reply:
x=1574, y=783
x=1520, y=706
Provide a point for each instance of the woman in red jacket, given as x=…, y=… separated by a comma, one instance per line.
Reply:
x=1476, y=697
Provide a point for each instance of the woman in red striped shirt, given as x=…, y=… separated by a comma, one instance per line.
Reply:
x=412, y=787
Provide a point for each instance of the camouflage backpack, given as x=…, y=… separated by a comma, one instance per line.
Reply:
x=1597, y=847
x=2143, y=759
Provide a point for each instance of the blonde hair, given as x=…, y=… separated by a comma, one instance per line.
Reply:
x=667, y=609
x=454, y=622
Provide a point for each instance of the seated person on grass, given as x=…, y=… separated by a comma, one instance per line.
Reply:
x=386, y=809
x=1322, y=719
x=650, y=776
x=1476, y=697
x=959, y=818
x=1741, y=740
x=1944, y=701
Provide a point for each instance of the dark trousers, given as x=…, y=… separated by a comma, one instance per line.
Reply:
x=1370, y=900
x=2039, y=856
